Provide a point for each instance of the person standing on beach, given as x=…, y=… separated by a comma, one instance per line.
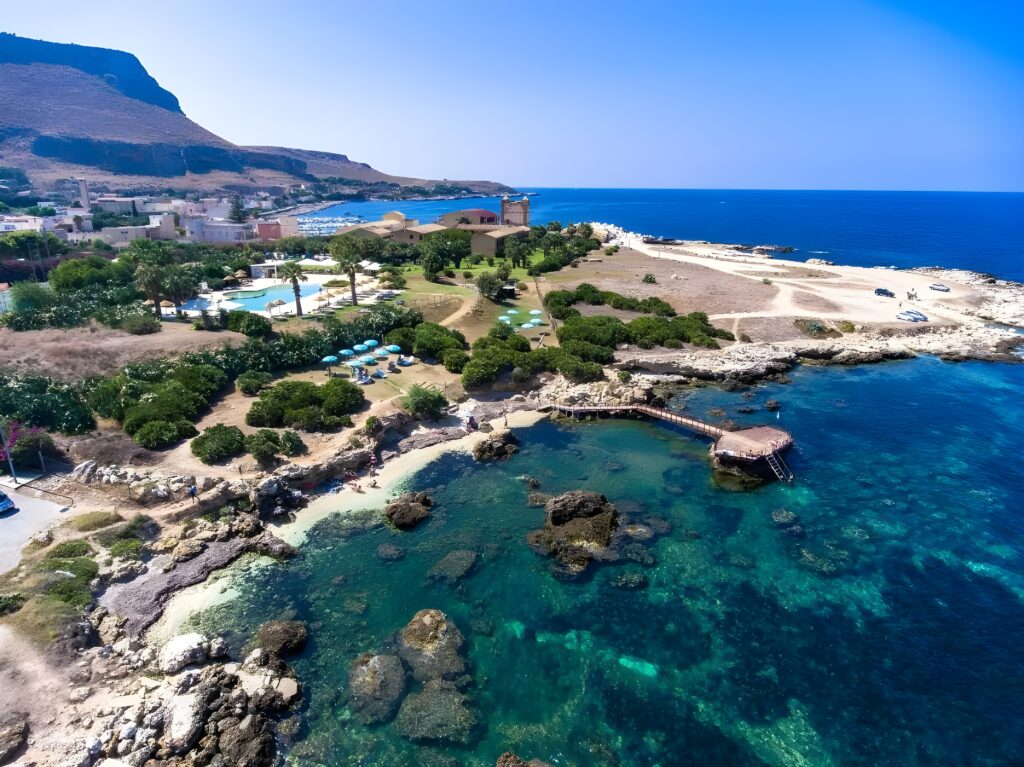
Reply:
x=192, y=492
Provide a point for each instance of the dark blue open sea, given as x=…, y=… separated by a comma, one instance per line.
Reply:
x=888, y=634
x=979, y=231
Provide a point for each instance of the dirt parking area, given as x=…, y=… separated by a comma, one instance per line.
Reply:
x=77, y=353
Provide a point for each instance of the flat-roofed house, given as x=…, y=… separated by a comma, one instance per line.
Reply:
x=472, y=217
x=413, y=235
x=383, y=229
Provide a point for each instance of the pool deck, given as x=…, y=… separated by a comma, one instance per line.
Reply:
x=221, y=299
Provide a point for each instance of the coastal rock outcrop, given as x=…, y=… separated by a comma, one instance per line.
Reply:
x=431, y=646
x=13, y=734
x=508, y=759
x=376, y=684
x=578, y=527
x=181, y=651
x=409, y=510
x=498, y=444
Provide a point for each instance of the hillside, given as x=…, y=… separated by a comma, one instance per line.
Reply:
x=71, y=111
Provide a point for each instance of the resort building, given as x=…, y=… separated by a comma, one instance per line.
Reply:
x=275, y=229
x=492, y=242
x=160, y=227
x=21, y=224
x=413, y=235
x=389, y=224
x=515, y=212
x=471, y=217
x=216, y=231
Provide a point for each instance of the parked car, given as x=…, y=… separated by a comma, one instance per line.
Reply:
x=939, y=287
x=884, y=292
x=6, y=504
x=911, y=315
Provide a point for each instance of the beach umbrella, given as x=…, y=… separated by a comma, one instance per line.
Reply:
x=371, y=343
x=536, y=312
x=148, y=302
x=330, y=359
x=394, y=348
x=527, y=326
x=504, y=319
x=369, y=359
x=361, y=348
x=241, y=274
x=354, y=364
x=512, y=311
x=347, y=353
x=382, y=355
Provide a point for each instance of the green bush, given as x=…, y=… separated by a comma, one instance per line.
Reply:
x=291, y=443
x=424, y=403
x=847, y=327
x=69, y=549
x=454, y=360
x=141, y=324
x=218, y=443
x=625, y=376
x=402, y=337
x=649, y=279
x=341, y=397
x=578, y=371
x=72, y=579
x=249, y=323
x=127, y=548
x=155, y=435
x=251, y=382
x=11, y=603
x=432, y=340
x=589, y=352
x=263, y=445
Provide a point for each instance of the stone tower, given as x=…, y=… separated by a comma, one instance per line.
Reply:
x=515, y=212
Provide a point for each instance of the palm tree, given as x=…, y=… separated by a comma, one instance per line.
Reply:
x=347, y=252
x=292, y=271
x=149, y=279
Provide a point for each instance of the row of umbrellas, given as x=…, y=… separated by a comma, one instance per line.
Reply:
x=509, y=318
x=367, y=359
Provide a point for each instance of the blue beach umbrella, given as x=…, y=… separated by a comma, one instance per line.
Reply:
x=505, y=319
x=347, y=353
x=330, y=359
x=394, y=348
x=369, y=359
x=512, y=311
x=354, y=364
x=361, y=348
x=382, y=354
x=527, y=326
x=371, y=343
x=536, y=312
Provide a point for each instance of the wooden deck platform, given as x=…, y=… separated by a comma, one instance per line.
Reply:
x=753, y=444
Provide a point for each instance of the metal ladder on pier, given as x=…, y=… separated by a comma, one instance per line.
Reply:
x=779, y=467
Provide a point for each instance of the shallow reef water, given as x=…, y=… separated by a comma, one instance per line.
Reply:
x=884, y=631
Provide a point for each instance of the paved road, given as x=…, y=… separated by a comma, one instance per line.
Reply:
x=33, y=516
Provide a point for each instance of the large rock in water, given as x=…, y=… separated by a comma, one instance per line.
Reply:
x=508, y=759
x=376, y=684
x=282, y=638
x=579, y=527
x=431, y=646
x=409, y=510
x=453, y=566
x=498, y=444
x=438, y=713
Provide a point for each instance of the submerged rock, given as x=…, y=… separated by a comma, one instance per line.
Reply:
x=282, y=638
x=439, y=713
x=376, y=684
x=508, y=759
x=630, y=580
x=538, y=499
x=431, y=646
x=784, y=517
x=409, y=510
x=454, y=565
x=389, y=552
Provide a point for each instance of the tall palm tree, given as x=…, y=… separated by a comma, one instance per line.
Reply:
x=291, y=271
x=347, y=252
x=149, y=279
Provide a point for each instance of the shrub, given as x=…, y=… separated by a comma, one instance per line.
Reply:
x=578, y=371
x=766, y=281
x=252, y=381
x=340, y=397
x=94, y=520
x=141, y=324
x=248, y=323
x=262, y=445
x=467, y=275
x=589, y=352
x=454, y=360
x=402, y=337
x=673, y=343
x=519, y=375
x=26, y=444
x=157, y=434
x=11, y=603
x=649, y=279
x=291, y=443
x=423, y=403
x=68, y=549
x=218, y=443
x=431, y=340
x=74, y=590
x=625, y=376
x=522, y=287
x=449, y=273
x=126, y=548
x=847, y=327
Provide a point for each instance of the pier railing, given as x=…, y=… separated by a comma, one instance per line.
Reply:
x=661, y=414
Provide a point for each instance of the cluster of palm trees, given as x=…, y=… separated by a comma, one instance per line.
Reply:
x=348, y=252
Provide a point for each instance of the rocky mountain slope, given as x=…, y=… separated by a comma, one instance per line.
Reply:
x=71, y=110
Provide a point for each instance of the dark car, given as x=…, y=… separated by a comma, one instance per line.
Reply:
x=6, y=504
x=884, y=292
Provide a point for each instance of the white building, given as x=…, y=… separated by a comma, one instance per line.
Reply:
x=216, y=231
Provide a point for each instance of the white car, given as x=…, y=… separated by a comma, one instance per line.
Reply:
x=939, y=287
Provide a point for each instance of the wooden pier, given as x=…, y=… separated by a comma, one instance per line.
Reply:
x=758, y=443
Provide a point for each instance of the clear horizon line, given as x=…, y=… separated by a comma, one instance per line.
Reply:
x=528, y=187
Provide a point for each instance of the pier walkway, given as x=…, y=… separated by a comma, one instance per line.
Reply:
x=753, y=444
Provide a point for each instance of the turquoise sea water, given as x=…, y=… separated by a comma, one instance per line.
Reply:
x=909, y=479
x=979, y=231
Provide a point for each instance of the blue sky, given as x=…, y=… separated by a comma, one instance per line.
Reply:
x=829, y=94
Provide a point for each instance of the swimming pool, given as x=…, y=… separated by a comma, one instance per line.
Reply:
x=253, y=300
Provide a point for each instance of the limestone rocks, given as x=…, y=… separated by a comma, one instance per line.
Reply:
x=508, y=759
x=409, y=510
x=637, y=391
x=183, y=650
x=376, y=684
x=282, y=638
x=13, y=734
x=431, y=646
x=454, y=566
x=497, y=444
